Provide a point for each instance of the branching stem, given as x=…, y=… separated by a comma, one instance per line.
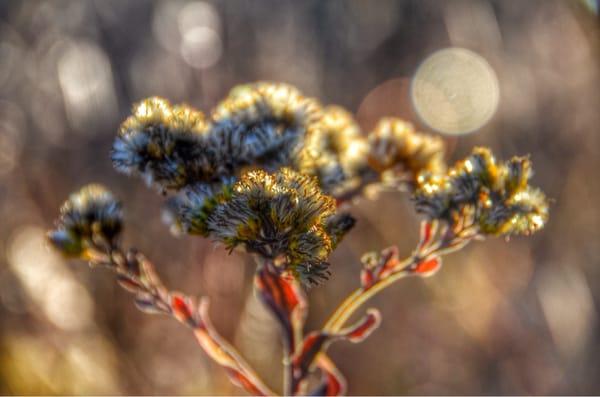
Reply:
x=355, y=300
x=405, y=268
x=181, y=308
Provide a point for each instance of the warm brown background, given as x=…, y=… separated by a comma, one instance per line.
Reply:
x=518, y=318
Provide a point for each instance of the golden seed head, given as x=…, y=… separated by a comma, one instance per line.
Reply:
x=280, y=214
x=498, y=196
x=396, y=148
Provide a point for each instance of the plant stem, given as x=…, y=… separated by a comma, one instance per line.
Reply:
x=286, y=302
x=361, y=295
x=208, y=338
x=288, y=388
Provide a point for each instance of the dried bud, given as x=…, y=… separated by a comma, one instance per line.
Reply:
x=262, y=124
x=90, y=216
x=398, y=151
x=164, y=144
x=517, y=173
x=335, y=152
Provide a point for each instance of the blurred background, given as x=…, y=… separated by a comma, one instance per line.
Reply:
x=499, y=318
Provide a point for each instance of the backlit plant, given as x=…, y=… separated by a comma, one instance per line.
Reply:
x=273, y=173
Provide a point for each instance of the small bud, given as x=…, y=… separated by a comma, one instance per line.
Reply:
x=88, y=216
x=429, y=267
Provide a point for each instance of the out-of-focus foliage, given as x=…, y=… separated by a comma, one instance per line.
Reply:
x=497, y=319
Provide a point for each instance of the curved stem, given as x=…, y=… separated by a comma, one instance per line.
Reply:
x=358, y=298
x=343, y=309
x=225, y=354
x=406, y=268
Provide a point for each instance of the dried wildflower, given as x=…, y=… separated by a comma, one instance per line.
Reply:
x=262, y=124
x=282, y=215
x=164, y=144
x=89, y=217
x=399, y=152
x=335, y=152
x=288, y=216
x=497, y=197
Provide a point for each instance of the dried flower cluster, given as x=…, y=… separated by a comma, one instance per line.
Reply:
x=268, y=171
x=274, y=128
x=266, y=126
x=258, y=125
x=495, y=197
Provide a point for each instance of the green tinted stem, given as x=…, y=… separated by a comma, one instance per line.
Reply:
x=360, y=296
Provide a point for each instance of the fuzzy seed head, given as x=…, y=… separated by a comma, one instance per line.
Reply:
x=89, y=216
x=263, y=124
x=397, y=150
x=284, y=214
x=163, y=144
x=498, y=196
x=335, y=152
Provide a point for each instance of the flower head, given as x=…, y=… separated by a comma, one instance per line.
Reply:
x=164, y=144
x=262, y=124
x=281, y=216
x=335, y=152
x=497, y=197
x=397, y=150
x=89, y=217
